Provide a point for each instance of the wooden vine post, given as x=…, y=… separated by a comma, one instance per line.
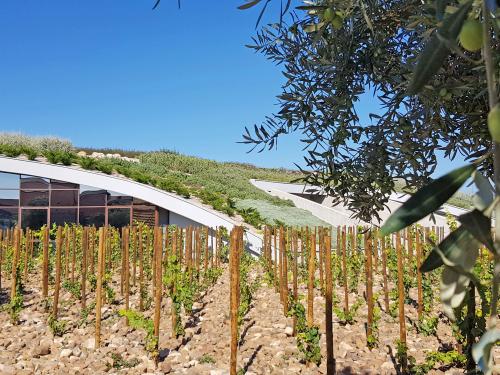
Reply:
x=344, y=270
x=158, y=242
x=205, y=253
x=330, y=360
x=234, y=296
x=26, y=254
x=310, y=284
x=276, y=280
x=418, y=250
x=410, y=231
x=98, y=296
x=141, y=270
x=320, y=263
x=295, y=245
x=1, y=254
x=384, y=274
x=45, y=266
x=73, y=260
x=401, y=300
x=369, y=282
x=126, y=255
x=59, y=241
x=15, y=260
x=85, y=247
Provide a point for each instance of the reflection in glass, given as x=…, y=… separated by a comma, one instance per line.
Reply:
x=33, y=218
x=34, y=198
x=9, y=198
x=117, y=199
x=9, y=181
x=31, y=182
x=118, y=217
x=8, y=217
x=56, y=184
x=141, y=202
x=92, y=216
x=93, y=197
x=61, y=216
x=64, y=197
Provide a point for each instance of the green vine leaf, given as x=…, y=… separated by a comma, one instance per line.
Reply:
x=436, y=51
x=427, y=200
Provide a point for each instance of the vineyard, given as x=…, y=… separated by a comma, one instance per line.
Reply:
x=192, y=300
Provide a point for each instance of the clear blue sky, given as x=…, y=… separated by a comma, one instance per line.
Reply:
x=114, y=73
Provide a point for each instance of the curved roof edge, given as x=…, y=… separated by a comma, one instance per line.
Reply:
x=160, y=198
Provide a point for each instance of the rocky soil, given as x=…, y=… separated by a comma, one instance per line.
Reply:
x=266, y=346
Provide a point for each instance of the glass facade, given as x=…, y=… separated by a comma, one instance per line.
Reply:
x=33, y=202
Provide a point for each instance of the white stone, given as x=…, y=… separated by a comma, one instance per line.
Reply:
x=89, y=344
x=65, y=353
x=289, y=331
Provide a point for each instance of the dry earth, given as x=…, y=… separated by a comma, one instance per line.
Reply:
x=266, y=344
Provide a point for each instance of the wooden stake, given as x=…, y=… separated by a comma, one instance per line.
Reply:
x=330, y=360
x=295, y=245
x=126, y=236
x=418, y=249
x=100, y=271
x=310, y=284
x=284, y=286
x=369, y=282
x=384, y=274
x=401, y=299
x=15, y=259
x=141, y=270
x=158, y=289
x=45, y=266
x=344, y=270
x=85, y=247
x=59, y=240
x=234, y=287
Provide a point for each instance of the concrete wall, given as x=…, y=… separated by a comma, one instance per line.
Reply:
x=323, y=208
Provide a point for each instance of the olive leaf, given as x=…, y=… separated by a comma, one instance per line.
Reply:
x=481, y=351
x=249, y=4
x=453, y=243
x=436, y=51
x=427, y=200
x=485, y=193
x=479, y=226
x=456, y=276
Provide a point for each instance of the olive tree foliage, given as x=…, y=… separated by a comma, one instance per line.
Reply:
x=330, y=60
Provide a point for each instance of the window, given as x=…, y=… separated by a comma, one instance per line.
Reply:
x=92, y=216
x=61, y=216
x=117, y=199
x=9, y=198
x=8, y=217
x=62, y=185
x=30, y=182
x=34, y=198
x=64, y=197
x=118, y=217
x=92, y=197
x=33, y=218
x=9, y=181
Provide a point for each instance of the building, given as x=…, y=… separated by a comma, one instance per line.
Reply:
x=36, y=193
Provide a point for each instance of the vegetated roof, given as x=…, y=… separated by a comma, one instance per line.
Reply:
x=217, y=184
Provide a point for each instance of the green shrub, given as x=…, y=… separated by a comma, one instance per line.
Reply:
x=87, y=163
x=104, y=166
